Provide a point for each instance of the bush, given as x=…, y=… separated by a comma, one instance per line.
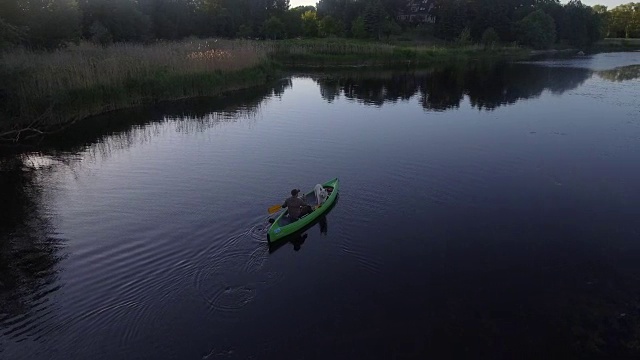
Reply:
x=244, y=32
x=465, y=37
x=10, y=35
x=54, y=26
x=359, y=29
x=490, y=37
x=537, y=30
x=329, y=26
x=273, y=28
x=310, y=24
x=100, y=34
x=391, y=27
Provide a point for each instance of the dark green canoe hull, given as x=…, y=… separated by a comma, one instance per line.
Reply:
x=282, y=228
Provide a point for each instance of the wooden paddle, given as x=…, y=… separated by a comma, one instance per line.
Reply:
x=275, y=208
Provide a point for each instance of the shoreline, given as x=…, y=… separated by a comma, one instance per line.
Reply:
x=31, y=116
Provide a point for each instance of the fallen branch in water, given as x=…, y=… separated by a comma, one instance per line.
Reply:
x=33, y=129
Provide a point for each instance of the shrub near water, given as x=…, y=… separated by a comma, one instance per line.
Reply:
x=87, y=79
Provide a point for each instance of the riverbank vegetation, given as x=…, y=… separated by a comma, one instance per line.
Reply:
x=54, y=23
x=337, y=52
x=61, y=60
x=39, y=91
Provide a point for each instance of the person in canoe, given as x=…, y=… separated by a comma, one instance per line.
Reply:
x=297, y=206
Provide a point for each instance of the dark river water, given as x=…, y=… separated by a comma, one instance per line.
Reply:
x=490, y=211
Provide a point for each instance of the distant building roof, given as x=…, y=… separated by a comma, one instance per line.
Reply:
x=417, y=11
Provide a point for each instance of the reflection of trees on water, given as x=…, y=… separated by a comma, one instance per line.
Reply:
x=487, y=86
x=29, y=250
x=120, y=130
x=621, y=74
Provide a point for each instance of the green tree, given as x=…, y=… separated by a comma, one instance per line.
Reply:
x=274, y=28
x=374, y=15
x=345, y=11
x=358, y=28
x=601, y=10
x=576, y=22
x=451, y=17
x=244, y=31
x=329, y=26
x=44, y=24
x=465, y=37
x=122, y=18
x=220, y=18
x=391, y=27
x=52, y=23
x=10, y=35
x=100, y=34
x=624, y=20
x=293, y=20
x=310, y=24
x=277, y=7
x=490, y=38
x=537, y=30
x=13, y=14
x=172, y=19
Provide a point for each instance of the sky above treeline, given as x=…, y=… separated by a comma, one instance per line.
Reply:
x=610, y=4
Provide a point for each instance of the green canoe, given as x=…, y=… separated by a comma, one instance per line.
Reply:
x=283, y=226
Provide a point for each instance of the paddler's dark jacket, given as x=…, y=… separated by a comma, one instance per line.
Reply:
x=294, y=204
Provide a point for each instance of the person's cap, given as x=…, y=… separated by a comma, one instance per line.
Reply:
x=295, y=192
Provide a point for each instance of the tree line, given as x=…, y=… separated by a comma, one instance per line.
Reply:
x=622, y=21
x=537, y=23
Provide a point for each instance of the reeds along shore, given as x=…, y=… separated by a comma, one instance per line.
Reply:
x=41, y=90
x=78, y=81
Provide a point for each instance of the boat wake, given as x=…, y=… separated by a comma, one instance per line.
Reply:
x=230, y=273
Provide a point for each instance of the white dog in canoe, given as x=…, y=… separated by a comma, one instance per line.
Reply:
x=321, y=194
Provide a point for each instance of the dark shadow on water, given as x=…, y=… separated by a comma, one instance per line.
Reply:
x=29, y=249
x=191, y=115
x=487, y=86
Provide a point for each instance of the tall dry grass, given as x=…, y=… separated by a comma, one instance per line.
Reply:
x=40, y=91
x=45, y=75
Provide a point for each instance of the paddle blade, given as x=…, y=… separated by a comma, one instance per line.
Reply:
x=274, y=208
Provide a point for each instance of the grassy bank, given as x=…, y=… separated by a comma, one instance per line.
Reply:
x=346, y=52
x=41, y=91
x=617, y=44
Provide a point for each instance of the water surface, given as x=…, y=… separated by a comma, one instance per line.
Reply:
x=485, y=211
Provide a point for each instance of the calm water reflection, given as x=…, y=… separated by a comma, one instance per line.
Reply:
x=489, y=211
x=485, y=86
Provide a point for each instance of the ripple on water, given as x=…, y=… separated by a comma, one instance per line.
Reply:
x=218, y=354
x=229, y=270
x=126, y=314
x=363, y=253
x=38, y=317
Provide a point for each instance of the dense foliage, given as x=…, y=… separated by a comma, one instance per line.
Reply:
x=540, y=23
x=622, y=21
x=533, y=22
